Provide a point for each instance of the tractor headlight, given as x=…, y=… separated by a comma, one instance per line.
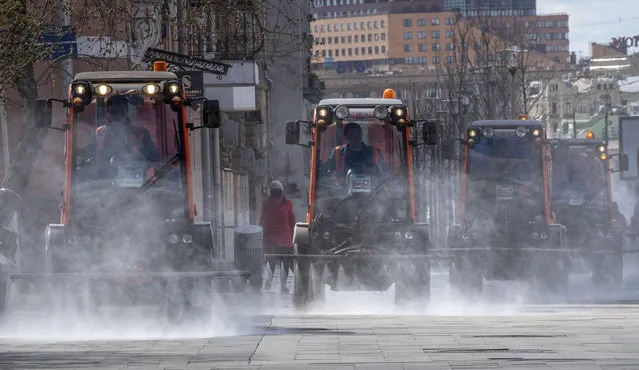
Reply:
x=544, y=236
x=409, y=235
x=103, y=90
x=322, y=112
x=380, y=112
x=535, y=235
x=489, y=132
x=326, y=235
x=398, y=235
x=79, y=89
x=521, y=131
x=473, y=133
x=602, y=148
x=187, y=239
x=341, y=112
x=174, y=88
x=151, y=89
x=173, y=238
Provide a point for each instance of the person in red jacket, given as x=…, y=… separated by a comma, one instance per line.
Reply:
x=278, y=221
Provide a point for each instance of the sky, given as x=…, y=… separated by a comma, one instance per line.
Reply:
x=595, y=20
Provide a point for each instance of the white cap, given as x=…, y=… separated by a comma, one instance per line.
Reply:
x=276, y=185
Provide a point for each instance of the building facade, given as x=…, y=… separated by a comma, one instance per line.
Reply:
x=492, y=8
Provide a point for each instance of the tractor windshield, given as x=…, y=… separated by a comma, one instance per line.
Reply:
x=505, y=179
x=362, y=158
x=579, y=177
x=503, y=158
x=125, y=150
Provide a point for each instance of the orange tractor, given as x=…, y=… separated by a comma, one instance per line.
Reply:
x=361, y=226
x=506, y=228
x=128, y=231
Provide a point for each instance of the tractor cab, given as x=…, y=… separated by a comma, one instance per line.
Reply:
x=505, y=176
x=581, y=198
x=361, y=215
x=505, y=229
x=581, y=183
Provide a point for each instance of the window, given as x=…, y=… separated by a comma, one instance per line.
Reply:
x=408, y=22
x=350, y=26
x=350, y=52
x=376, y=38
x=408, y=35
x=434, y=22
x=437, y=47
x=370, y=50
x=408, y=48
x=450, y=59
x=363, y=51
x=422, y=47
x=316, y=28
x=435, y=34
x=376, y=49
x=343, y=39
x=369, y=24
x=449, y=34
x=383, y=24
x=553, y=108
x=383, y=36
x=330, y=28
x=450, y=21
x=370, y=37
x=383, y=49
x=356, y=38
x=355, y=26
x=350, y=39
x=436, y=60
x=421, y=22
x=376, y=24
x=450, y=47
x=421, y=34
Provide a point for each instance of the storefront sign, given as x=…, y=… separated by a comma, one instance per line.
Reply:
x=627, y=41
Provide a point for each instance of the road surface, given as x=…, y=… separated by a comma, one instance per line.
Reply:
x=353, y=331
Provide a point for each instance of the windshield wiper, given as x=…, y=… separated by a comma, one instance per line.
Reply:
x=161, y=172
x=590, y=198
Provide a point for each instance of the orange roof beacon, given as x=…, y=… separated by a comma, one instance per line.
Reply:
x=361, y=208
x=128, y=213
x=581, y=197
x=505, y=227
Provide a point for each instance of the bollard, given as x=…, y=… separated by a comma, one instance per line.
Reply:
x=249, y=252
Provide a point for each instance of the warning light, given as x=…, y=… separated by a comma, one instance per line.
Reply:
x=389, y=94
x=590, y=135
x=159, y=66
x=522, y=117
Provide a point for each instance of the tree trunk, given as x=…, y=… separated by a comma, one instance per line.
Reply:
x=23, y=159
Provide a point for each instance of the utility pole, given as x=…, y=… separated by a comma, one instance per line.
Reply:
x=606, y=97
x=574, y=123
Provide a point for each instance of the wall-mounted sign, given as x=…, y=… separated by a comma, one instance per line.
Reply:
x=627, y=41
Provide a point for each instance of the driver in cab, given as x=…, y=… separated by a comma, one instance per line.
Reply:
x=353, y=154
x=119, y=136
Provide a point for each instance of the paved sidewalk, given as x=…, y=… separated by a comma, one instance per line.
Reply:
x=549, y=338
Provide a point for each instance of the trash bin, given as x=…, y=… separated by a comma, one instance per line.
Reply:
x=249, y=252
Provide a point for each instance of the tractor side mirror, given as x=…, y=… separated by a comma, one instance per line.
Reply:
x=211, y=114
x=623, y=162
x=298, y=133
x=429, y=133
x=451, y=149
x=42, y=113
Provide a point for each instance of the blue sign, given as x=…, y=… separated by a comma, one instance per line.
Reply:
x=354, y=66
x=57, y=34
x=328, y=62
x=60, y=40
x=60, y=50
